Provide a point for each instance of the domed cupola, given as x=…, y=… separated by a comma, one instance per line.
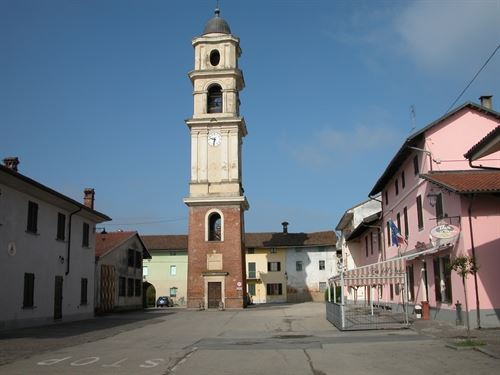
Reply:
x=217, y=25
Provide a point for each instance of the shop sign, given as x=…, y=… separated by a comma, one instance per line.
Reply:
x=444, y=234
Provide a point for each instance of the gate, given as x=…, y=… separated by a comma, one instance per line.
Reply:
x=108, y=286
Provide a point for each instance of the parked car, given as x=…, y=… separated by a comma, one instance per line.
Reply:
x=164, y=301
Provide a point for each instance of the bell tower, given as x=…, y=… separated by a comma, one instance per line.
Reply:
x=216, y=201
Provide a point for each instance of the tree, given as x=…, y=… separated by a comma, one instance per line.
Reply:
x=464, y=266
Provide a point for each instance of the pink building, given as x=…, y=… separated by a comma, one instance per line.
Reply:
x=443, y=205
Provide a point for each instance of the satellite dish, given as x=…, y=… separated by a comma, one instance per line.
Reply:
x=11, y=249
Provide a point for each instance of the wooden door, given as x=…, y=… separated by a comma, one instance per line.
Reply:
x=214, y=295
x=58, y=296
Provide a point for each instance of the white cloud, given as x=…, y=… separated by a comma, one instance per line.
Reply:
x=440, y=34
x=330, y=146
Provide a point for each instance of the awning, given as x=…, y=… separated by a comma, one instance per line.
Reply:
x=390, y=271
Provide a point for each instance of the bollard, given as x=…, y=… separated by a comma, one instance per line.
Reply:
x=459, y=321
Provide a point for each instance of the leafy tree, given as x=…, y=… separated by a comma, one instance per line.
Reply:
x=465, y=266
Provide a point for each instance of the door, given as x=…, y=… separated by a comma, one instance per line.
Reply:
x=58, y=296
x=214, y=295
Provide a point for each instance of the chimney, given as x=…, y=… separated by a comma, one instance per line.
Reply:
x=11, y=162
x=88, y=197
x=486, y=101
x=285, y=226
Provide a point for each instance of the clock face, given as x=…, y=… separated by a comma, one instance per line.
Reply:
x=214, y=139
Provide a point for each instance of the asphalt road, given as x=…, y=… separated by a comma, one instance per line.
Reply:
x=280, y=339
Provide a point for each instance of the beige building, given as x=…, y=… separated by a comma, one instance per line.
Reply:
x=165, y=274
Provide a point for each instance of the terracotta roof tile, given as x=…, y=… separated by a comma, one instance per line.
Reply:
x=108, y=241
x=166, y=242
x=327, y=238
x=462, y=182
x=486, y=146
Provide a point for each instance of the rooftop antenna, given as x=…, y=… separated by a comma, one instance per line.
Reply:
x=413, y=116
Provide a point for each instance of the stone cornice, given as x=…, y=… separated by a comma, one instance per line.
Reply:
x=218, y=201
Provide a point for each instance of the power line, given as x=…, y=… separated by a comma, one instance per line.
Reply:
x=473, y=79
x=148, y=222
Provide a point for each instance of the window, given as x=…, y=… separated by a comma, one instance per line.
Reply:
x=415, y=165
x=273, y=266
x=405, y=218
x=214, y=227
x=298, y=266
x=273, y=250
x=322, y=286
x=398, y=220
x=411, y=282
x=83, y=291
x=379, y=240
x=145, y=271
x=138, y=287
x=391, y=291
x=173, y=270
x=251, y=270
x=138, y=259
x=396, y=186
x=214, y=99
x=85, y=234
x=121, y=287
x=371, y=243
x=274, y=289
x=32, y=225
x=321, y=265
x=61, y=226
x=130, y=287
x=439, y=207
x=173, y=292
x=251, y=251
x=442, y=279
x=131, y=258
x=386, y=198
x=388, y=234
x=251, y=289
x=403, y=180
x=366, y=246
x=29, y=290
x=420, y=214
x=214, y=57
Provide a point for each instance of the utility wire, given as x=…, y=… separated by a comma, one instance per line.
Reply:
x=473, y=79
x=148, y=222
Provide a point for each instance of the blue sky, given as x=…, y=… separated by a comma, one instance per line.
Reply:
x=94, y=93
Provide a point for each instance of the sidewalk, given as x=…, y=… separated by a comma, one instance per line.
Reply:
x=452, y=333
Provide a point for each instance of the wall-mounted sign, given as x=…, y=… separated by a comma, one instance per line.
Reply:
x=444, y=234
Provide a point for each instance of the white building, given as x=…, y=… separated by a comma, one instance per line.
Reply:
x=46, y=252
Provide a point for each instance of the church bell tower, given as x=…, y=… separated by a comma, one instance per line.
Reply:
x=216, y=201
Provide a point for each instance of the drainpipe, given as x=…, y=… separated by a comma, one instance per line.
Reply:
x=69, y=240
x=478, y=315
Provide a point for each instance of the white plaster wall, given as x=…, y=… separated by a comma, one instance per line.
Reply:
x=310, y=276
x=41, y=254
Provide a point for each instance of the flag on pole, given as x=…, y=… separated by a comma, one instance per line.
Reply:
x=397, y=238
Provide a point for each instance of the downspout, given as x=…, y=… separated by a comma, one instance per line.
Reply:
x=68, y=254
x=473, y=248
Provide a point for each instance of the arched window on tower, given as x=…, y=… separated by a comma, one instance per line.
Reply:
x=214, y=227
x=214, y=99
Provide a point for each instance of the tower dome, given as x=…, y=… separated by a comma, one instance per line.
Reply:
x=217, y=25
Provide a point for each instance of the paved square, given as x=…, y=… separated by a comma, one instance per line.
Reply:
x=276, y=339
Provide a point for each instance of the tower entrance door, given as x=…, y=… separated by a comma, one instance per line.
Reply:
x=214, y=295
